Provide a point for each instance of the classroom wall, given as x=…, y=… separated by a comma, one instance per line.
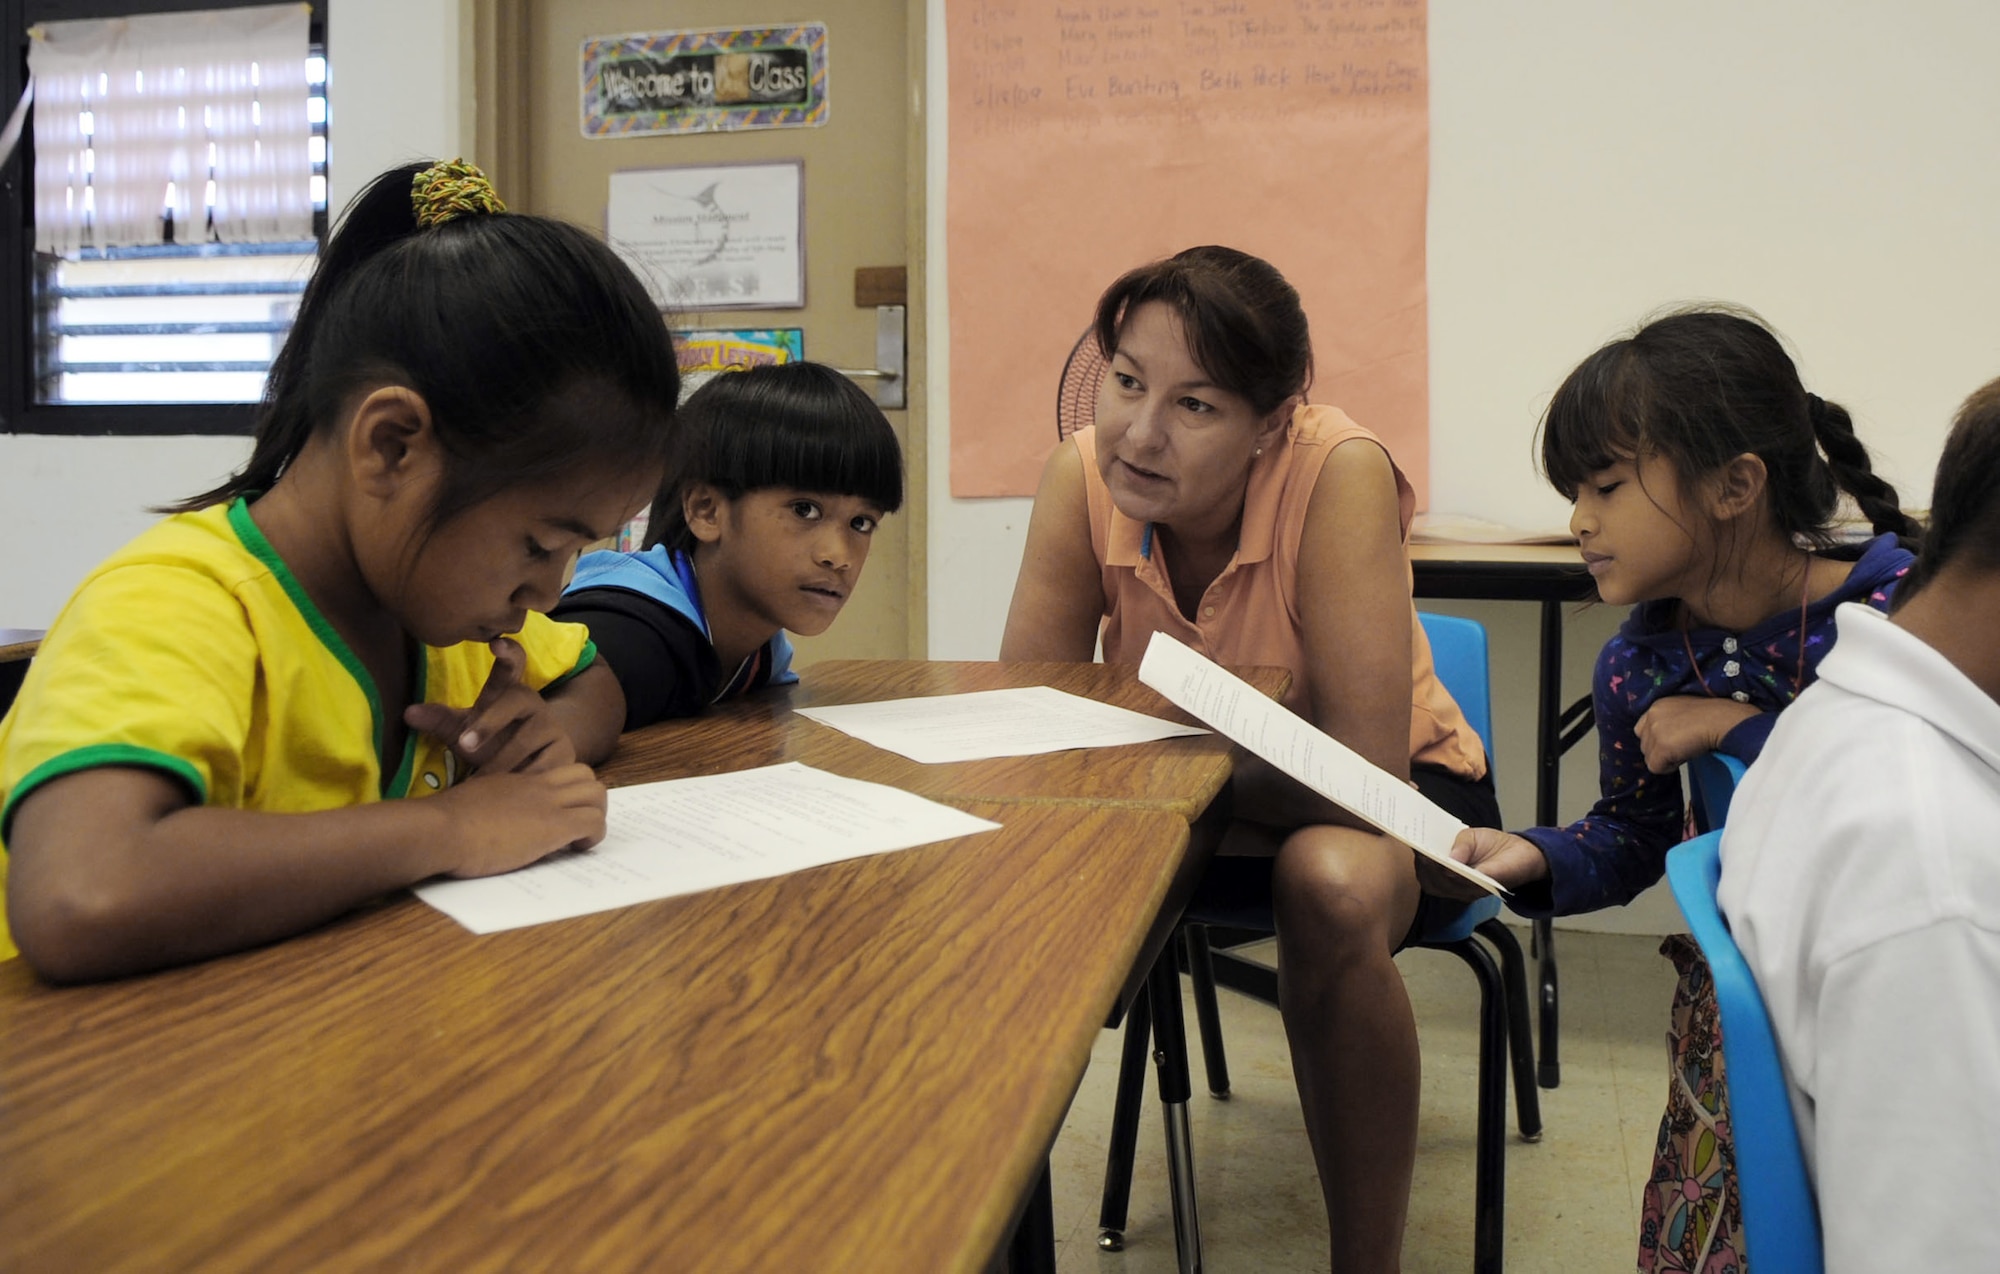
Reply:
x=1823, y=164
x=395, y=92
x=1826, y=165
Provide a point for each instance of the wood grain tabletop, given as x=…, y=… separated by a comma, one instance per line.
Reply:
x=1565, y=556
x=860, y=1066
x=19, y=643
x=1178, y=775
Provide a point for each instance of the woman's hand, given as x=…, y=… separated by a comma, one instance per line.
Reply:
x=1679, y=728
x=508, y=729
x=1512, y=860
x=501, y=820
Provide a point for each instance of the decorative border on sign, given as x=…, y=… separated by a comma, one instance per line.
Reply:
x=600, y=52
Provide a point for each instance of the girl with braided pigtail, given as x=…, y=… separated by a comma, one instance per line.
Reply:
x=1705, y=480
x=211, y=749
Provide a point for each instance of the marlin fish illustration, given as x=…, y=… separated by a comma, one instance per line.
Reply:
x=708, y=211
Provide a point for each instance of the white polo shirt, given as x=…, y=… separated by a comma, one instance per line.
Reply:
x=1861, y=877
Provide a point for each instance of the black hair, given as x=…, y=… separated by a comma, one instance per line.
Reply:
x=1699, y=387
x=538, y=353
x=798, y=425
x=1964, y=522
x=1244, y=325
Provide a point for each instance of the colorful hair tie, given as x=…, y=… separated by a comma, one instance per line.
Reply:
x=449, y=189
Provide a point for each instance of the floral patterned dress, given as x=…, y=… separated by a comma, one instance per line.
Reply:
x=1691, y=1220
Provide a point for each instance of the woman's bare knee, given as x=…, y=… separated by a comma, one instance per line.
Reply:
x=1344, y=886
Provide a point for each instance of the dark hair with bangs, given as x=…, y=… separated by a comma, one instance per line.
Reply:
x=538, y=353
x=798, y=425
x=1699, y=387
x=1964, y=522
x=1243, y=321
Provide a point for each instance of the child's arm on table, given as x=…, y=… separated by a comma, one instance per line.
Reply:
x=590, y=707
x=112, y=872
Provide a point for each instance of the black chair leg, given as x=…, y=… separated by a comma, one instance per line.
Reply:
x=1545, y=952
x=1163, y=987
x=1207, y=1015
x=1520, y=1031
x=1111, y=1213
x=1490, y=1187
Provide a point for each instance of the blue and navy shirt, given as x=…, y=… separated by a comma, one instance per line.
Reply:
x=645, y=614
x=1620, y=847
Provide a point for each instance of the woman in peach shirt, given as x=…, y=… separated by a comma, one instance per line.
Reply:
x=1210, y=501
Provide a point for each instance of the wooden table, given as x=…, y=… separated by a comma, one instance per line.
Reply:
x=859, y=1067
x=17, y=647
x=19, y=643
x=1548, y=574
x=1179, y=776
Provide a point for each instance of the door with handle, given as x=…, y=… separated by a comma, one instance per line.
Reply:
x=856, y=177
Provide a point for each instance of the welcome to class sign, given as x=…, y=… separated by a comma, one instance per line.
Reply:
x=707, y=81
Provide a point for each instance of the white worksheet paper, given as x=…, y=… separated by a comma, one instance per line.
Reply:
x=688, y=835
x=989, y=723
x=1295, y=746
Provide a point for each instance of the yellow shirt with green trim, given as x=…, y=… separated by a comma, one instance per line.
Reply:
x=194, y=651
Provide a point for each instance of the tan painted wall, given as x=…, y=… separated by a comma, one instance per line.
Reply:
x=856, y=185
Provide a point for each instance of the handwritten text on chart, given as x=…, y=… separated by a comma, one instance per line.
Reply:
x=1084, y=63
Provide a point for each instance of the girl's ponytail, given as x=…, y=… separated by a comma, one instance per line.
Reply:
x=538, y=352
x=381, y=215
x=1847, y=461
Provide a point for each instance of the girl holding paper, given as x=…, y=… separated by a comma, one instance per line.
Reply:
x=1705, y=479
x=1212, y=502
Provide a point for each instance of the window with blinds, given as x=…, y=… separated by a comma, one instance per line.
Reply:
x=175, y=230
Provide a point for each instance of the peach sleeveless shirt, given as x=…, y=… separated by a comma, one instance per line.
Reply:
x=1250, y=614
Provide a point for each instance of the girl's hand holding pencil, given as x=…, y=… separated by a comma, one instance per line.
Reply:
x=504, y=821
x=528, y=797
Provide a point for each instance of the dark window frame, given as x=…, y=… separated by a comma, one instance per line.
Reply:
x=19, y=412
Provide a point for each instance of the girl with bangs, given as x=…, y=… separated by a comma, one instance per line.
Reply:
x=1705, y=480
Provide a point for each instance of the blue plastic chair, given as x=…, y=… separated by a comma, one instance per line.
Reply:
x=1712, y=780
x=1458, y=653
x=1780, y=1216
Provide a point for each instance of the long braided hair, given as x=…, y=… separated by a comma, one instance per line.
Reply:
x=1699, y=387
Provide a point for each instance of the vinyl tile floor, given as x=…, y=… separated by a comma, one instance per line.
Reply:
x=1572, y=1199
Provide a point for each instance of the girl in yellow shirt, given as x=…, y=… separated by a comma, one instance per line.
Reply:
x=209, y=750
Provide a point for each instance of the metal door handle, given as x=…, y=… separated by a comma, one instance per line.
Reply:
x=885, y=379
